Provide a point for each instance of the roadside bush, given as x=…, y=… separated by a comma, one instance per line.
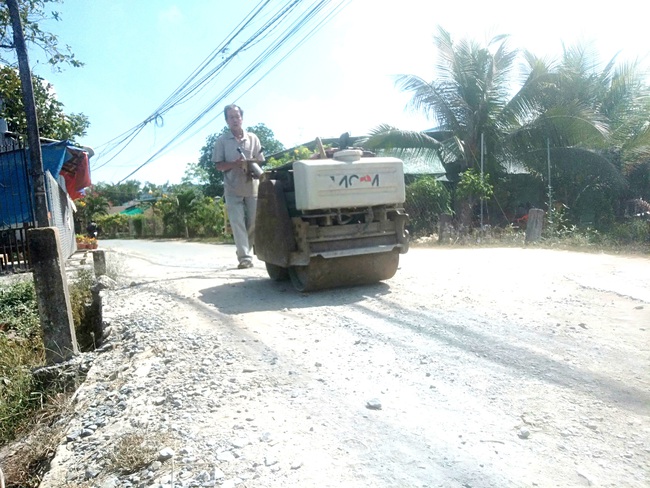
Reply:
x=112, y=225
x=19, y=309
x=631, y=232
x=206, y=219
x=138, y=225
x=80, y=302
x=21, y=350
x=426, y=199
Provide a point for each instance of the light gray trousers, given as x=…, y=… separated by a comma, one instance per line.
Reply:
x=241, y=213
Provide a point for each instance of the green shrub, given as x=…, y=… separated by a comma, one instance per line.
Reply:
x=80, y=301
x=426, y=199
x=138, y=225
x=19, y=309
x=631, y=232
x=21, y=350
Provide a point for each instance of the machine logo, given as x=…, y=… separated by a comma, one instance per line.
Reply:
x=348, y=181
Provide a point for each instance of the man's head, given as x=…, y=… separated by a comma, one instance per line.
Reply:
x=234, y=116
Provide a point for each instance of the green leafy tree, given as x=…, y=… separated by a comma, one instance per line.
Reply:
x=113, y=224
x=89, y=207
x=267, y=138
x=293, y=155
x=153, y=197
x=207, y=217
x=119, y=193
x=53, y=122
x=591, y=179
x=33, y=13
x=195, y=175
x=426, y=199
x=472, y=100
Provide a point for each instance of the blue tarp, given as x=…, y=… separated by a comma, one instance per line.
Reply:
x=16, y=192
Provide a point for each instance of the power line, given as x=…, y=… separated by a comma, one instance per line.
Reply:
x=186, y=90
x=253, y=67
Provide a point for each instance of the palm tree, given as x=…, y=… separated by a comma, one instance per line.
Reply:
x=473, y=99
x=593, y=170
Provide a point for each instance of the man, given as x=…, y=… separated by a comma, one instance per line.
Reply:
x=231, y=154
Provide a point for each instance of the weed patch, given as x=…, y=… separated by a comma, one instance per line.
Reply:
x=136, y=450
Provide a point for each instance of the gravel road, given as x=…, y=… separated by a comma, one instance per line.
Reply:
x=471, y=368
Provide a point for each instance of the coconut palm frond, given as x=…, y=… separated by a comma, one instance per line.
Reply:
x=388, y=137
x=569, y=162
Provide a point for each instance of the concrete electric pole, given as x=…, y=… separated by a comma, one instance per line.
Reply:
x=50, y=280
x=33, y=138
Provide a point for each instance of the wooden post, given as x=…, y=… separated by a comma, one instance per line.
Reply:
x=534, y=224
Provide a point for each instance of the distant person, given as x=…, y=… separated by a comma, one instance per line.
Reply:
x=231, y=154
x=92, y=229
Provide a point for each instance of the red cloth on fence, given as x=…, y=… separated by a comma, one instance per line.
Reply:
x=76, y=181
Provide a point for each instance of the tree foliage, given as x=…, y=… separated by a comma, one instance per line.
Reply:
x=591, y=122
x=33, y=13
x=426, y=199
x=119, y=193
x=53, y=122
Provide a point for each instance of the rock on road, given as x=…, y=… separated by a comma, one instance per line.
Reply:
x=470, y=368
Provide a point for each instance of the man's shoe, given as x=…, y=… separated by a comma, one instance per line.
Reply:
x=245, y=265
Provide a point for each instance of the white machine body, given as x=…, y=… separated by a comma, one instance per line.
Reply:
x=348, y=180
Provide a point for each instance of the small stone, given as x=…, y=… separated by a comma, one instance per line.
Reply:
x=373, y=404
x=109, y=483
x=226, y=456
x=523, y=434
x=73, y=436
x=203, y=477
x=240, y=443
x=165, y=454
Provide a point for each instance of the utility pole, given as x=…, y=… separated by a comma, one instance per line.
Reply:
x=50, y=281
x=33, y=138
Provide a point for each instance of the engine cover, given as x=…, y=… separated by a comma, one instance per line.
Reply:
x=353, y=182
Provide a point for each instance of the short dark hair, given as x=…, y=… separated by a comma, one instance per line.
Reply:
x=232, y=106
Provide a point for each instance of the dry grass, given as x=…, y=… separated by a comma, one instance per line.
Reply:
x=134, y=451
x=26, y=460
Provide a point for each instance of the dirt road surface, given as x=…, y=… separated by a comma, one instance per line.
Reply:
x=470, y=368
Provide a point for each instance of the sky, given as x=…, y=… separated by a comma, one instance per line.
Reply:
x=341, y=78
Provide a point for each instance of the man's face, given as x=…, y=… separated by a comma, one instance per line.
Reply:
x=233, y=119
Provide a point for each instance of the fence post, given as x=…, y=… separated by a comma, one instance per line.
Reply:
x=99, y=263
x=534, y=224
x=444, y=228
x=52, y=294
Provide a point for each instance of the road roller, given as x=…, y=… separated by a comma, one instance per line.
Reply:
x=331, y=222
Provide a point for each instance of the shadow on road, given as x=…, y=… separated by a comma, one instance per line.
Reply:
x=263, y=294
